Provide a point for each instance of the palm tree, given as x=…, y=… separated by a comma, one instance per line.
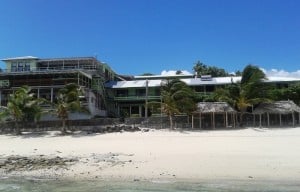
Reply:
x=68, y=100
x=177, y=98
x=248, y=92
x=22, y=106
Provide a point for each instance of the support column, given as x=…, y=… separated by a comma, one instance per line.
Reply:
x=200, y=121
x=268, y=118
x=140, y=111
x=214, y=126
x=226, y=120
x=293, y=115
x=38, y=93
x=192, y=121
x=51, y=94
x=280, y=123
x=259, y=120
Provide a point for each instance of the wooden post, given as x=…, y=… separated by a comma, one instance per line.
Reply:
x=268, y=117
x=293, y=115
x=253, y=120
x=226, y=119
x=192, y=121
x=259, y=120
x=214, y=126
x=280, y=123
x=200, y=121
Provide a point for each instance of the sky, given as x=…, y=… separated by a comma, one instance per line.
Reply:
x=155, y=36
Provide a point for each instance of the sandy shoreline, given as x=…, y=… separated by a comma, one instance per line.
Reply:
x=247, y=154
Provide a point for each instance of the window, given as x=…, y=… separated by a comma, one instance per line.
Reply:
x=122, y=93
x=27, y=67
x=140, y=92
x=14, y=67
x=20, y=66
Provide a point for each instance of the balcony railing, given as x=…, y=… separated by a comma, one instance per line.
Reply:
x=52, y=69
x=136, y=98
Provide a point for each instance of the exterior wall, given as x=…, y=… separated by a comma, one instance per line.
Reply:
x=47, y=84
x=32, y=63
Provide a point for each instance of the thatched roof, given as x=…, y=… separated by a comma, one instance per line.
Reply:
x=278, y=107
x=216, y=107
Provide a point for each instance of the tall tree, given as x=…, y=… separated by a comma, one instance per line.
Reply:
x=22, y=106
x=250, y=91
x=177, y=98
x=202, y=69
x=68, y=100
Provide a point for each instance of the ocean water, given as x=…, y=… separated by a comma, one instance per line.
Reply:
x=33, y=185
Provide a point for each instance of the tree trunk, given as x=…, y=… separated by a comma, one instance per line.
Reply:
x=17, y=128
x=171, y=121
x=63, y=127
x=241, y=119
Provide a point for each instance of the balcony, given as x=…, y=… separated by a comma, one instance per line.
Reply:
x=136, y=98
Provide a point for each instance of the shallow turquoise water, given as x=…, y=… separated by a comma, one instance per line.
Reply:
x=26, y=185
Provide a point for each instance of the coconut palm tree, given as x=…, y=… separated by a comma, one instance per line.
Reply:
x=68, y=100
x=22, y=106
x=177, y=98
x=248, y=92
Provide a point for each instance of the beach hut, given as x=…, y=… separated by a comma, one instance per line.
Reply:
x=213, y=114
x=286, y=112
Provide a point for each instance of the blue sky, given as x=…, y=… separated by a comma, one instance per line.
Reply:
x=139, y=36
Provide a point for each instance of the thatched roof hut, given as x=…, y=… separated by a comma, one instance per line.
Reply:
x=214, y=110
x=214, y=107
x=278, y=108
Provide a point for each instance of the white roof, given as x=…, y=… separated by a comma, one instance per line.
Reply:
x=19, y=58
x=135, y=83
x=280, y=79
x=190, y=82
x=157, y=83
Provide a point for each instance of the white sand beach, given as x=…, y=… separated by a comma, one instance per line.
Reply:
x=246, y=154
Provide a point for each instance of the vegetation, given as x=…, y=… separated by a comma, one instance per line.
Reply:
x=202, y=69
x=22, y=106
x=68, y=100
x=245, y=94
x=287, y=93
x=177, y=98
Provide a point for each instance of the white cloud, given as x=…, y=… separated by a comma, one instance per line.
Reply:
x=281, y=73
x=173, y=72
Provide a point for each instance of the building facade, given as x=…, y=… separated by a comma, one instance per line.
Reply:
x=46, y=76
x=106, y=93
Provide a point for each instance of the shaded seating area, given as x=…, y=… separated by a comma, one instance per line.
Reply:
x=211, y=115
x=279, y=113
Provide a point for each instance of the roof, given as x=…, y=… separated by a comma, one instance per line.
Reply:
x=19, y=58
x=131, y=84
x=278, y=107
x=157, y=82
x=214, y=107
x=281, y=79
x=67, y=58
